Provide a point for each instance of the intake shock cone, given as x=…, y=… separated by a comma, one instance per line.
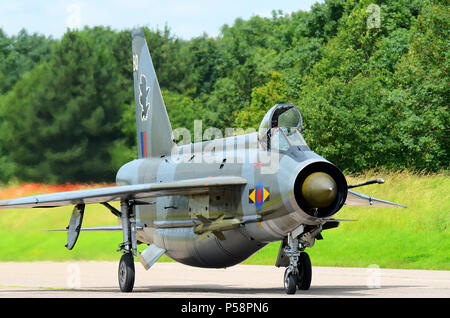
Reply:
x=319, y=190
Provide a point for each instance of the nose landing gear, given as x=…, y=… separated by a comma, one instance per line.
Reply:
x=299, y=272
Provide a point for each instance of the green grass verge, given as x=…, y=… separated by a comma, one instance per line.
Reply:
x=413, y=238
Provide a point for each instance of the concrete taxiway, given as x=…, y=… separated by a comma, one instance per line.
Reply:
x=99, y=280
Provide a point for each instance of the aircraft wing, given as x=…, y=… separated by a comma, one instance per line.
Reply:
x=359, y=199
x=118, y=193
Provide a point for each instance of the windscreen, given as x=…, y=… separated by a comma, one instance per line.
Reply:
x=278, y=140
x=295, y=137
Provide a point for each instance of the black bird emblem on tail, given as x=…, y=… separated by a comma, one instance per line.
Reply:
x=143, y=94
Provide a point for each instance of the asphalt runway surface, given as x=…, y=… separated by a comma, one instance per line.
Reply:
x=172, y=280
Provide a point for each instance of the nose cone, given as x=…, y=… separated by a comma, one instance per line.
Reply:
x=319, y=190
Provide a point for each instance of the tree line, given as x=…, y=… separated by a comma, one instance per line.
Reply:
x=372, y=96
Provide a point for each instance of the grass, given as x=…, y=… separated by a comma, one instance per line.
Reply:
x=413, y=238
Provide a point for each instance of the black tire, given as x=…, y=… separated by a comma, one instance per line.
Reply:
x=290, y=282
x=126, y=273
x=304, y=272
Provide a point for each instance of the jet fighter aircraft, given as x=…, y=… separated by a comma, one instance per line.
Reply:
x=213, y=204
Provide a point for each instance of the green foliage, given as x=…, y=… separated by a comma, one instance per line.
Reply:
x=421, y=85
x=182, y=110
x=366, y=104
x=19, y=54
x=271, y=93
x=370, y=97
x=61, y=119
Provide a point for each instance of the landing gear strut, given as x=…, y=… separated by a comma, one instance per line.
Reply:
x=128, y=247
x=299, y=272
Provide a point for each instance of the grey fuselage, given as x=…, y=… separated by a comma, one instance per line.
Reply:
x=169, y=221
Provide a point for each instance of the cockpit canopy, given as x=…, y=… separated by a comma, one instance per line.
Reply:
x=281, y=128
x=282, y=115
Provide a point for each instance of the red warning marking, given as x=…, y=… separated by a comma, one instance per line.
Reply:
x=256, y=164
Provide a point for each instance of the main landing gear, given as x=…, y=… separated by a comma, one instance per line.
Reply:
x=128, y=247
x=299, y=272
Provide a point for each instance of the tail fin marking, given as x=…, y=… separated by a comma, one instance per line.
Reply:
x=154, y=132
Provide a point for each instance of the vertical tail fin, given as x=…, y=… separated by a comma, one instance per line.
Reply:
x=154, y=132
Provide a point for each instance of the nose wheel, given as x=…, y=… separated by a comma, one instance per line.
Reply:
x=299, y=278
x=299, y=272
x=290, y=281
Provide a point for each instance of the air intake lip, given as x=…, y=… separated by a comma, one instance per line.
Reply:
x=333, y=203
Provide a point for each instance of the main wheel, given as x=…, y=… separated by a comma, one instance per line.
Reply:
x=126, y=273
x=304, y=272
x=290, y=282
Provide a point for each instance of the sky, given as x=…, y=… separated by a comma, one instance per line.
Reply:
x=185, y=18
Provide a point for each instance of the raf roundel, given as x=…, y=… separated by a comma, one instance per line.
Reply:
x=259, y=195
